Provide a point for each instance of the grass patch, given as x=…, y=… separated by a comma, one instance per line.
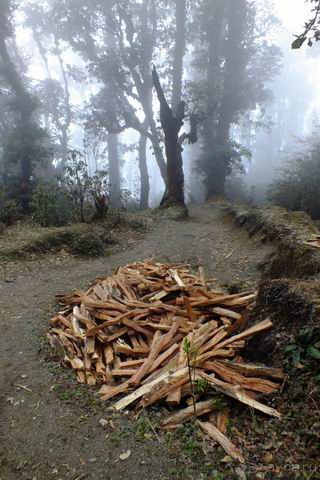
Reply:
x=76, y=240
x=27, y=239
x=87, y=245
x=172, y=212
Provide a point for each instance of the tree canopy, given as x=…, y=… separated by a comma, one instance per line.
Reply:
x=105, y=65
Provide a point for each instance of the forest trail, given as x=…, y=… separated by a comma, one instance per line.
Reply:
x=49, y=427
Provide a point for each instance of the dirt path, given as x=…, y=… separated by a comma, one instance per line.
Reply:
x=49, y=426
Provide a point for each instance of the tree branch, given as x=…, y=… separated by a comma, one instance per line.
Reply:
x=192, y=135
x=299, y=41
x=157, y=86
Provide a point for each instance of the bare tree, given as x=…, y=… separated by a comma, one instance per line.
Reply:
x=172, y=123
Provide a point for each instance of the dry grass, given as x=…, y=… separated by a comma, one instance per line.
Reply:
x=25, y=239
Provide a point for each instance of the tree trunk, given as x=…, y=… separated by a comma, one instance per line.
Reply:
x=64, y=142
x=222, y=156
x=174, y=194
x=215, y=37
x=156, y=144
x=144, y=89
x=101, y=204
x=112, y=137
x=215, y=28
x=172, y=118
x=114, y=170
x=143, y=167
x=229, y=106
x=68, y=112
x=179, y=51
x=62, y=125
x=171, y=125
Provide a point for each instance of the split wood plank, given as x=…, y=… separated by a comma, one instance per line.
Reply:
x=252, y=369
x=225, y=443
x=181, y=416
x=239, y=394
x=258, y=328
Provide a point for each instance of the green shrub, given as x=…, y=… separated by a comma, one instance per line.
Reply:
x=9, y=212
x=298, y=184
x=88, y=245
x=51, y=205
x=86, y=191
x=136, y=224
x=237, y=191
x=129, y=200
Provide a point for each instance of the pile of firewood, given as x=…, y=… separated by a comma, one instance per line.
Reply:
x=159, y=332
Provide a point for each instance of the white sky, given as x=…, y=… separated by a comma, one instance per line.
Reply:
x=293, y=13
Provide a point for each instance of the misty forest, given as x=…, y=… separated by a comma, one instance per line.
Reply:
x=166, y=155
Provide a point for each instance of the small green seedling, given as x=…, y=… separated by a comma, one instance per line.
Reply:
x=191, y=354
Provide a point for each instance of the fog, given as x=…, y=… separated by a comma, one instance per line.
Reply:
x=87, y=65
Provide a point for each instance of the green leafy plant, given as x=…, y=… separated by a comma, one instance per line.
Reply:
x=98, y=188
x=219, y=476
x=306, y=346
x=85, y=189
x=9, y=212
x=77, y=181
x=173, y=472
x=118, y=435
x=141, y=428
x=189, y=442
x=191, y=354
x=201, y=386
x=190, y=448
x=219, y=401
x=51, y=204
